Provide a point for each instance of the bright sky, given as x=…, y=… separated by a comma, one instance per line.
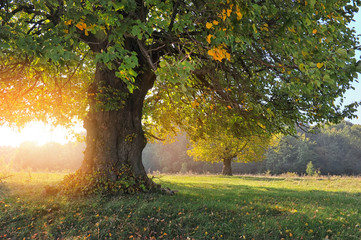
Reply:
x=36, y=132
x=41, y=134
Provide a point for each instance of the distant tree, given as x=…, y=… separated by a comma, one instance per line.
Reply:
x=310, y=169
x=289, y=154
x=226, y=148
x=338, y=149
x=332, y=149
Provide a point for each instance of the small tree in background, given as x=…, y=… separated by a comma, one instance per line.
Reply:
x=224, y=147
x=310, y=169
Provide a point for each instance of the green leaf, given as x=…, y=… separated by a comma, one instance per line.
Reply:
x=341, y=52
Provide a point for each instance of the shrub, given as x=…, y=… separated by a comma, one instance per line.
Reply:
x=310, y=169
x=79, y=184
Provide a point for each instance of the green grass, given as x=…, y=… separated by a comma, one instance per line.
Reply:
x=205, y=207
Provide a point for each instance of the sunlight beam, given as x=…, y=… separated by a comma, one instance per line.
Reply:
x=38, y=133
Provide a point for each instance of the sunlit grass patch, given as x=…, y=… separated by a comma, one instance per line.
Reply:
x=31, y=184
x=205, y=207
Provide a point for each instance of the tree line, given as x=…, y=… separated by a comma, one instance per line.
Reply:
x=332, y=149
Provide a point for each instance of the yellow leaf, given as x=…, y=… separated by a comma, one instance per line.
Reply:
x=238, y=12
x=209, y=37
x=314, y=31
x=81, y=25
x=291, y=30
x=219, y=53
x=319, y=65
x=228, y=56
x=209, y=25
x=195, y=104
x=229, y=11
x=68, y=22
x=254, y=28
x=224, y=14
x=265, y=27
x=215, y=22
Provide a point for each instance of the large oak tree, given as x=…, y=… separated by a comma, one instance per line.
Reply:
x=270, y=63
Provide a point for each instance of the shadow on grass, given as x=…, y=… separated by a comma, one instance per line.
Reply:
x=233, y=193
x=313, y=214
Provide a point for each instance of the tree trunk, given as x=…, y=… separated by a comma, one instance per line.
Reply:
x=115, y=138
x=227, y=167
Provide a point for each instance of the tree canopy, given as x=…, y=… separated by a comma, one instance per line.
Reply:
x=283, y=69
x=285, y=60
x=250, y=67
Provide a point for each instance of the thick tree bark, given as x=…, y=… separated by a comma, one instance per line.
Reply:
x=227, y=167
x=115, y=138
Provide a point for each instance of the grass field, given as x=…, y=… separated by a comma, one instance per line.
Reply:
x=205, y=207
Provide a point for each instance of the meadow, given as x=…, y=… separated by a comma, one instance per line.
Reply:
x=205, y=207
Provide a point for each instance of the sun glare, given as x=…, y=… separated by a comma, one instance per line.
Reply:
x=36, y=132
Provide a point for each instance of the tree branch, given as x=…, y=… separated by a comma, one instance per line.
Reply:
x=157, y=138
x=146, y=55
x=174, y=14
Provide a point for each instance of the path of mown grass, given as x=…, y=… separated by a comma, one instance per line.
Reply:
x=206, y=207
